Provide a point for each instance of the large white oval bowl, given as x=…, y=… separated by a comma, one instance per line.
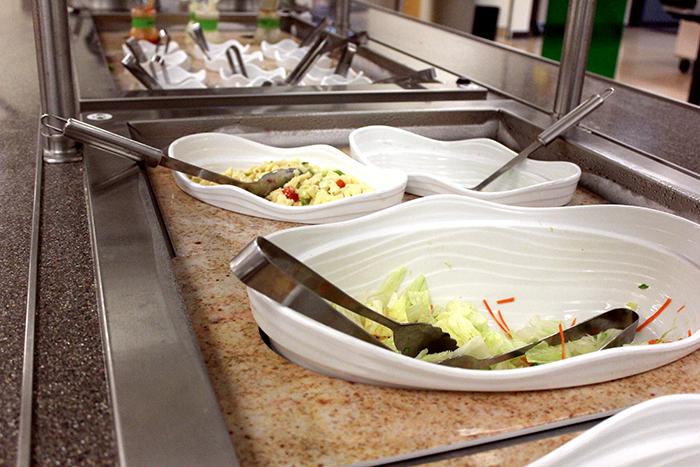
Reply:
x=559, y=263
x=660, y=432
x=219, y=151
x=449, y=167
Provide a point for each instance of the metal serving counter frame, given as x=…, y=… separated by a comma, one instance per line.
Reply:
x=164, y=408
x=98, y=91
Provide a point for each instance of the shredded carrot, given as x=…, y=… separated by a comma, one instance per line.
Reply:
x=561, y=336
x=500, y=325
x=655, y=315
x=680, y=309
x=690, y=333
x=505, y=300
x=653, y=341
x=573, y=323
x=500, y=316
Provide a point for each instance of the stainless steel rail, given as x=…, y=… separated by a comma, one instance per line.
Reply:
x=342, y=17
x=55, y=74
x=24, y=436
x=574, y=55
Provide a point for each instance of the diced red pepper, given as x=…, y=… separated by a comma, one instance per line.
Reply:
x=290, y=193
x=340, y=183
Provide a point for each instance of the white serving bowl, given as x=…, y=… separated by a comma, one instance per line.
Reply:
x=149, y=49
x=218, y=151
x=189, y=83
x=449, y=167
x=283, y=48
x=220, y=62
x=256, y=76
x=559, y=263
x=659, y=432
x=177, y=75
x=216, y=49
x=322, y=66
x=353, y=77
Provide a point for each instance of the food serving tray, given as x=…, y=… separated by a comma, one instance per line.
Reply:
x=560, y=263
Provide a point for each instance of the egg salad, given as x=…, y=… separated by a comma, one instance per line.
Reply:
x=312, y=184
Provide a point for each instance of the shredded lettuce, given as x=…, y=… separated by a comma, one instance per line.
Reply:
x=467, y=325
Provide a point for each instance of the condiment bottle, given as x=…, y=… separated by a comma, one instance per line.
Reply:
x=207, y=15
x=268, y=24
x=143, y=22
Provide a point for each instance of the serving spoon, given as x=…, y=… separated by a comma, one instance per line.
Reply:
x=139, y=152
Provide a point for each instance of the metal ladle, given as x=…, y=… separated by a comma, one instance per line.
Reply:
x=139, y=152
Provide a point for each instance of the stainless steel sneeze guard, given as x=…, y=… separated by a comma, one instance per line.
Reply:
x=162, y=399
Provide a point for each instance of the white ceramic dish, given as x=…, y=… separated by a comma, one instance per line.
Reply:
x=220, y=49
x=447, y=167
x=177, y=75
x=322, y=66
x=189, y=83
x=218, y=151
x=149, y=49
x=660, y=432
x=220, y=62
x=256, y=76
x=353, y=77
x=283, y=48
x=174, y=58
x=559, y=263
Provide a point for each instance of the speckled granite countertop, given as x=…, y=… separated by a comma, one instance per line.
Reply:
x=278, y=412
x=71, y=422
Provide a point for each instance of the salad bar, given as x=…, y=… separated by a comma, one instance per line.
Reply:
x=343, y=262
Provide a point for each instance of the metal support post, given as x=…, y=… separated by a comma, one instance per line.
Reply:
x=342, y=17
x=574, y=55
x=55, y=75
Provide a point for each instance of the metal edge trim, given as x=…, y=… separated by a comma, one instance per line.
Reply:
x=488, y=443
x=24, y=436
x=104, y=326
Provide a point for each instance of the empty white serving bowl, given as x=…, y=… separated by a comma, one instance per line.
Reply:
x=256, y=76
x=220, y=62
x=216, y=49
x=149, y=49
x=335, y=80
x=177, y=75
x=219, y=151
x=283, y=48
x=659, y=432
x=449, y=167
x=559, y=263
x=189, y=83
x=322, y=66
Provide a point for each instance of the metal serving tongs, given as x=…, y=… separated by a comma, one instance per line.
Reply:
x=132, y=64
x=197, y=35
x=550, y=134
x=427, y=75
x=139, y=152
x=230, y=53
x=270, y=270
x=618, y=318
x=345, y=60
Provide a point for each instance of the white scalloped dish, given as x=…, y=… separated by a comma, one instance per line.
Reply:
x=448, y=167
x=219, y=151
x=559, y=263
x=659, y=432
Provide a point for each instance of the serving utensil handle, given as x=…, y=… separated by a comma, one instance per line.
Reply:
x=573, y=117
x=103, y=139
